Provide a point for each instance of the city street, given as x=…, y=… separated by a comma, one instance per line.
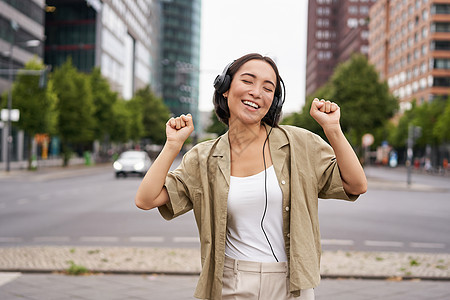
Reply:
x=93, y=208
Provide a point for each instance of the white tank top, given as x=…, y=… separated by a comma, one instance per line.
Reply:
x=246, y=202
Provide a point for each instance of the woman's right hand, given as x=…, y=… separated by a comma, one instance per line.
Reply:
x=179, y=129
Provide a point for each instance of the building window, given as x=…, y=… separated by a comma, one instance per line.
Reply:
x=443, y=9
x=352, y=23
x=364, y=34
x=440, y=45
x=353, y=10
x=441, y=81
x=442, y=63
x=425, y=15
x=364, y=10
x=440, y=27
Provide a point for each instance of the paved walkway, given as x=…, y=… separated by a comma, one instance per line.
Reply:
x=166, y=287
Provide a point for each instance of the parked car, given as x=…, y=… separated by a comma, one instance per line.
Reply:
x=132, y=162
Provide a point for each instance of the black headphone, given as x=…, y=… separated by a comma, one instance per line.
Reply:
x=223, y=81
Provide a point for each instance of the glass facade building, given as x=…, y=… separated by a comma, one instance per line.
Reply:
x=181, y=56
x=21, y=21
x=120, y=37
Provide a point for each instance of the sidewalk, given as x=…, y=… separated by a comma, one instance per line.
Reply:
x=164, y=287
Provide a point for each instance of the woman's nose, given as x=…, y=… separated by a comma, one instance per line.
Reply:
x=255, y=91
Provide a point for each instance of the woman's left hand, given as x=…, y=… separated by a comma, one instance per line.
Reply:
x=326, y=113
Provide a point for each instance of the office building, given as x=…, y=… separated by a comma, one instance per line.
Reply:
x=181, y=56
x=410, y=48
x=336, y=30
x=21, y=36
x=120, y=37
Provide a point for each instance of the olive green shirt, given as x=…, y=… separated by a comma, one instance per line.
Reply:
x=306, y=170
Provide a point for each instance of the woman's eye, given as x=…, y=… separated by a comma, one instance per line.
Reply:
x=246, y=81
x=268, y=90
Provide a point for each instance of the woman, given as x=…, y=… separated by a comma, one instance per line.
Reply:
x=254, y=190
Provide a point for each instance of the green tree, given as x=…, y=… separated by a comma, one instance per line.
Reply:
x=104, y=101
x=123, y=122
x=366, y=103
x=154, y=115
x=441, y=128
x=75, y=108
x=399, y=135
x=36, y=104
x=304, y=119
x=426, y=117
x=216, y=126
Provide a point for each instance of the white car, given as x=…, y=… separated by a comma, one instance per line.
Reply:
x=132, y=162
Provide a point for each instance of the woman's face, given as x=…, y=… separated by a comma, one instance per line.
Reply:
x=251, y=92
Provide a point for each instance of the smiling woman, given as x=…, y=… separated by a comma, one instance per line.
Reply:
x=255, y=189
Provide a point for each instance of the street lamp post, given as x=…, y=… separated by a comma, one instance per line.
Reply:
x=14, y=27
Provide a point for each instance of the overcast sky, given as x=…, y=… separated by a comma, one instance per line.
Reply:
x=276, y=28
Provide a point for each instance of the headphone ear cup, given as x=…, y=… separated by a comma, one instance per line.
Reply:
x=223, y=81
x=275, y=108
x=225, y=85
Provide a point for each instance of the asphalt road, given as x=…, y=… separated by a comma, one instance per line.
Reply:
x=93, y=208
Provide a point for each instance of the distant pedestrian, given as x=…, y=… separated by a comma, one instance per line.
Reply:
x=254, y=190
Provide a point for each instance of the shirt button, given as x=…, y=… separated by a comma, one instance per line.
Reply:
x=283, y=182
x=288, y=235
x=287, y=208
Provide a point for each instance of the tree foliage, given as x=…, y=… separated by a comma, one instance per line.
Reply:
x=75, y=123
x=441, y=129
x=104, y=100
x=152, y=112
x=36, y=104
x=216, y=126
x=365, y=102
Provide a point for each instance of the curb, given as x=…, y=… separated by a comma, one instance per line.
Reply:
x=186, y=261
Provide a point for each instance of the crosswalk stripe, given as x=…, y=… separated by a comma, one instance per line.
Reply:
x=186, y=240
x=383, y=244
x=147, y=239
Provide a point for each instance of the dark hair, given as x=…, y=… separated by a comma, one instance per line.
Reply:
x=221, y=104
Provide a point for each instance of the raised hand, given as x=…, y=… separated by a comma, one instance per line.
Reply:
x=178, y=129
x=326, y=113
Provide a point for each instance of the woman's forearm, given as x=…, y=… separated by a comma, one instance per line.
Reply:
x=352, y=174
x=151, y=193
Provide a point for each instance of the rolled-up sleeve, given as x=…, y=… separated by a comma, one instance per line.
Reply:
x=328, y=175
x=178, y=184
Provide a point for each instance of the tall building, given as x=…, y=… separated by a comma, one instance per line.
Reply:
x=336, y=30
x=181, y=55
x=410, y=47
x=21, y=21
x=120, y=37
x=21, y=38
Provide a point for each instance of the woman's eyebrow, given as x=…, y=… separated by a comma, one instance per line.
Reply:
x=254, y=76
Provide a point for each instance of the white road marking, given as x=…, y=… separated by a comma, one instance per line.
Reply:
x=10, y=240
x=383, y=244
x=107, y=239
x=147, y=239
x=338, y=242
x=182, y=239
x=51, y=239
x=44, y=197
x=427, y=245
x=23, y=201
x=8, y=277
